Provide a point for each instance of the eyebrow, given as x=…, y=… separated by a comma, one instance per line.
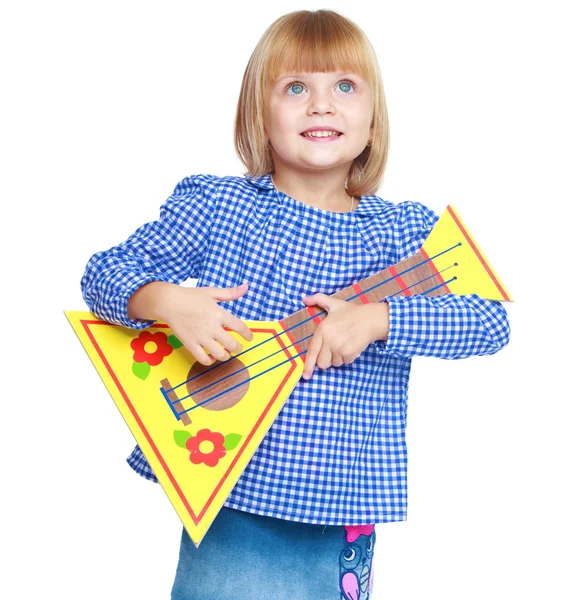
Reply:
x=338, y=73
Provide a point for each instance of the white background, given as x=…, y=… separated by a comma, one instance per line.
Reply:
x=107, y=105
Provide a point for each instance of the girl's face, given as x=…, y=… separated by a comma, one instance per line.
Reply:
x=339, y=102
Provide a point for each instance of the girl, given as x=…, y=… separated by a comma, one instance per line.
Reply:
x=303, y=223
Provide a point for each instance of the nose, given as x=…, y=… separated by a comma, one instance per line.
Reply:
x=321, y=103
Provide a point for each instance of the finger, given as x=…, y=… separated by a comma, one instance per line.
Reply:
x=321, y=300
x=337, y=359
x=238, y=326
x=227, y=294
x=217, y=351
x=231, y=345
x=324, y=358
x=312, y=354
x=200, y=354
x=309, y=300
x=350, y=359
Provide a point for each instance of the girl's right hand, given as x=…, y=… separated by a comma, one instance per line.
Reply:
x=194, y=316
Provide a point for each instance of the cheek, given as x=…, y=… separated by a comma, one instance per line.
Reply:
x=284, y=123
x=281, y=130
x=368, y=116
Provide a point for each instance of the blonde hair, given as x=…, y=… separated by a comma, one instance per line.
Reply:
x=311, y=41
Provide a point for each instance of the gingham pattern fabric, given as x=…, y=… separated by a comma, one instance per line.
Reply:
x=336, y=454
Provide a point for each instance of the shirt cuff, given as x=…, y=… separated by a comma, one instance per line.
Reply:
x=117, y=312
x=386, y=347
x=125, y=319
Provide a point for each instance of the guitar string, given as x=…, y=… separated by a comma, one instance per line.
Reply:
x=284, y=348
x=321, y=312
x=288, y=360
x=199, y=391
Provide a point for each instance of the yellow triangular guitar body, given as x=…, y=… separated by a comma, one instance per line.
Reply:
x=197, y=442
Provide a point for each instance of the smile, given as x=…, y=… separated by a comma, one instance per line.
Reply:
x=321, y=137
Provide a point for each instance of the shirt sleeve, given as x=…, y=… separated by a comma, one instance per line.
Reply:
x=170, y=249
x=449, y=326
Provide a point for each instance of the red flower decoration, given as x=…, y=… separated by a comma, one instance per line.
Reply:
x=152, y=358
x=354, y=531
x=208, y=458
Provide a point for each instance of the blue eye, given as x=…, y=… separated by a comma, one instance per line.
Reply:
x=297, y=88
x=346, y=86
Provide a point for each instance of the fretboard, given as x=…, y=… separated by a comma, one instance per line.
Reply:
x=414, y=275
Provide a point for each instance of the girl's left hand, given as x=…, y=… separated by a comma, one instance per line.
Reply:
x=347, y=330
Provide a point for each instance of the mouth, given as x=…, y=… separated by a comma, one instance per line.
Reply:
x=321, y=136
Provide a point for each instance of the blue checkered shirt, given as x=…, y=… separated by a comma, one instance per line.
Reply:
x=336, y=454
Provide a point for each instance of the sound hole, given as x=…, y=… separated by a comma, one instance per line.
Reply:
x=230, y=388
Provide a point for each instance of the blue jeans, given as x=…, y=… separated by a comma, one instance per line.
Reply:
x=260, y=558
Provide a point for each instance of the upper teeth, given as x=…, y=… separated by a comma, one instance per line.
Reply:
x=320, y=133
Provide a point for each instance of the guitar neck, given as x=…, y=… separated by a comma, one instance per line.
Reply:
x=414, y=275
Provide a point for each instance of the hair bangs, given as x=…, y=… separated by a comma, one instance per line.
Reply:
x=312, y=44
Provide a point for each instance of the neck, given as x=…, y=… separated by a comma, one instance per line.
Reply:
x=320, y=189
x=414, y=275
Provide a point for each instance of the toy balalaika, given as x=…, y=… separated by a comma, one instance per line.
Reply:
x=199, y=426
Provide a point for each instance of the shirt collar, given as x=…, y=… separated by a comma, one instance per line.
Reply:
x=264, y=181
x=368, y=206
